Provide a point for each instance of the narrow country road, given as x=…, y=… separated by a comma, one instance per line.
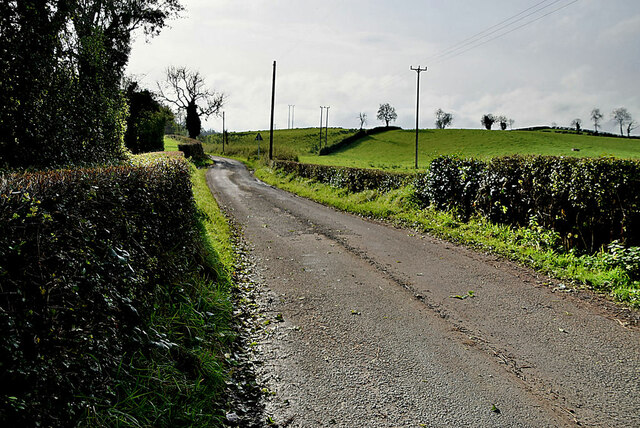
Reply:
x=372, y=337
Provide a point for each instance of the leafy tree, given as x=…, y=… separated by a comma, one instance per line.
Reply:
x=363, y=119
x=386, y=113
x=186, y=90
x=61, y=64
x=622, y=116
x=576, y=123
x=502, y=121
x=488, y=120
x=146, y=121
x=596, y=117
x=443, y=119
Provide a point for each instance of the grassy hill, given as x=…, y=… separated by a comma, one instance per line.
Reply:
x=395, y=149
x=288, y=143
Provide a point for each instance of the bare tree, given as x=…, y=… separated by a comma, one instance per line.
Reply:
x=186, y=90
x=596, y=117
x=511, y=122
x=363, y=119
x=622, y=116
x=386, y=113
x=443, y=119
x=631, y=125
x=488, y=120
x=576, y=123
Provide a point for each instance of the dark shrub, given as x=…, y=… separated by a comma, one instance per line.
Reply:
x=85, y=258
x=192, y=150
x=450, y=183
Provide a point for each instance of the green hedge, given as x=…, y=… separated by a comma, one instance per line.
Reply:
x=86, y=258
x=192, y=150
x=352, y=179
x=590, y=202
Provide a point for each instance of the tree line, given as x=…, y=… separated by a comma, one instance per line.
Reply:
x=64, y=95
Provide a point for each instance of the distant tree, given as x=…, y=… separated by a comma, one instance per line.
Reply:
x=386, y=113
x=576, y=123
x=363, y=119
x=631, y=125
x=443, y=119
x=596, y=117
x=511, y=122
x=503, y=121
x=488, y=120
x=186, y=90
x=622, y=116
x=554, y=125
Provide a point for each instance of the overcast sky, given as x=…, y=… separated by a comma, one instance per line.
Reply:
x=353, y=55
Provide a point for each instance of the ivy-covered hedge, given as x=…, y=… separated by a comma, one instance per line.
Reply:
x=352, y=179
x=86, y=258
x=590, y=202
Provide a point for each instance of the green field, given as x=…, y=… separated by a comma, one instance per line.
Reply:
x=287, y=143
x=395, y=149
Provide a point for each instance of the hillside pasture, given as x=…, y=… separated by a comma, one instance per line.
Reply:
x=395, y=149
x=287, y=143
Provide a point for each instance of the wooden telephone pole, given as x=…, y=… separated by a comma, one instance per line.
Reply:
x=418, y=71
x=273, y=103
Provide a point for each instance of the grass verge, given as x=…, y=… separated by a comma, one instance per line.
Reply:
x=182, y=381
x=532, y=246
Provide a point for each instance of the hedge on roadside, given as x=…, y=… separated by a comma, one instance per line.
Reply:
x=86, y=258
x=590, y=202
x=192, y=150
x=352, y=179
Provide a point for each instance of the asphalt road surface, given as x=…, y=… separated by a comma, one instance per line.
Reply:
x=372, y=335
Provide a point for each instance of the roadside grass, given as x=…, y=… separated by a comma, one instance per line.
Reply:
x=532, y=246
x=170, y=144
x=395, y=150
x=182, y=381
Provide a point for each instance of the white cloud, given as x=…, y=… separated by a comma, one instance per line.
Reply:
x=356, y=55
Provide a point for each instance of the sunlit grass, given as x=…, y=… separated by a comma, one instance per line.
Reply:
x=396, y=149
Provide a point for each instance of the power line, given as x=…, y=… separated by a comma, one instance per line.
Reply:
x=503, y=34
x=497, y=27
x=449, y=51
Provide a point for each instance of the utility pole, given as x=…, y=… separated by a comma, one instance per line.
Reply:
x=289, y=118
x=326, y=132
x=418, y=71
x=273, y=102
x=223, y=132
x=321, y=111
